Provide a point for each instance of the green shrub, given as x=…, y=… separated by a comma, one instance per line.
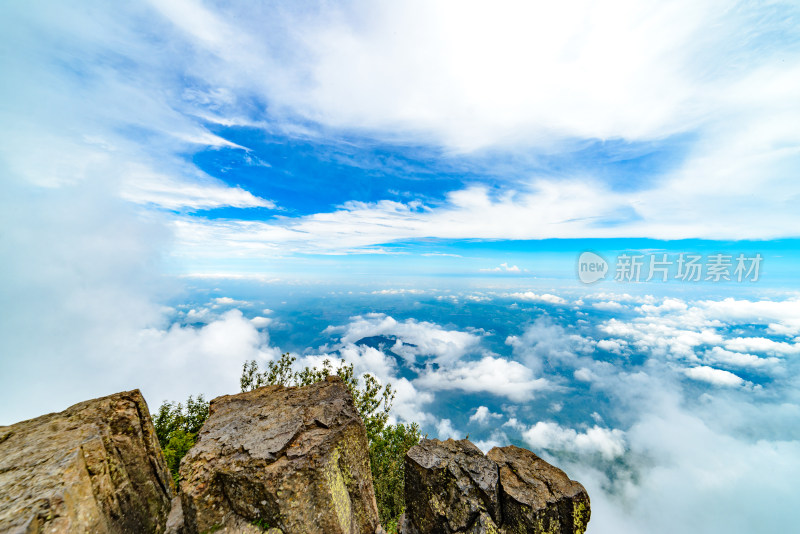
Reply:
x=177, y=427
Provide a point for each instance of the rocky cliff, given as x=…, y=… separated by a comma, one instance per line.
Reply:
x=277, y=460
x=451, y=487
x=295, y=459
x=95, y=467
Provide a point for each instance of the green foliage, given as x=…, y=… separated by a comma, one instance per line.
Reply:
x=177, y=427
x=386, y=456
x=263, y=524
x=388, y=444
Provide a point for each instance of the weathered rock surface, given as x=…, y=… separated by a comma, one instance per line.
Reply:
x=451, y=487
x=294, y=459
x=538, y=497
x=95, y=467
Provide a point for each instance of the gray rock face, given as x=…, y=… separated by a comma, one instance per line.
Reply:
x=95, y=467
x=451, y=487
x=449, y=484
x=295, y=459
x=538, y=497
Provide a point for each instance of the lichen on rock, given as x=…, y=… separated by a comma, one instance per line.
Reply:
x=451, y=487
x=95, y=467
x=292, y=458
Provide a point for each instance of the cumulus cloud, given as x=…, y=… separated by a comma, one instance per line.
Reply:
x=608, y=305
x=483, y=415
x=738, y=359
x=688, y=458
x=504, y=268
x=413, y=338
x=445, y=430
x=611, y=345
x=497, y=439
x=545, y=340
x=498, y=376
x=609, y=444
x=761, y=344
x=716, y=377
x=691, y=330
x=228, y=301
x=535, y=297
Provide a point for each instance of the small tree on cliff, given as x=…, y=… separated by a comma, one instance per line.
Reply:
x=177, y=427
x=388, y=444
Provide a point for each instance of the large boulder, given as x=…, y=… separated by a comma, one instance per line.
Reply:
x=95, y=467
x=288, y=458
x=451, y=487
x=538, y=497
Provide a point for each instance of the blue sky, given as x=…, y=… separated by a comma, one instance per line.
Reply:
x=189, y=184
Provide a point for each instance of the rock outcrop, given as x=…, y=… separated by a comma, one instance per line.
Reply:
x=451, y=487
x=536, y=496
x=293, y=459
x=95, y=467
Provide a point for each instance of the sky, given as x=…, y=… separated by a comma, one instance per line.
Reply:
x=411, y=186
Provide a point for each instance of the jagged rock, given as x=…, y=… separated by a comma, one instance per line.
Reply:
x=404, y=525
x=276, y=457
x=483, y=525
x=95, y=467
x=538, y=497
x=175, y=518
x=449, y=485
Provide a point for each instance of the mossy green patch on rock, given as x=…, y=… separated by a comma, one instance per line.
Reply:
x=338, y=492
x=296, y=457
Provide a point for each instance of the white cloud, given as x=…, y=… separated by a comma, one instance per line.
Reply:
x=228, y=301
x=716, y=377
x=690, y=460
x=165, y=191
x=482, y=415
x=621, y=297
x=504, y=267
x=497, y=439
x=498, y=376
x=445, y=430
x=609, y=444
x=761, y=344
x=611, y=345
x=514, y=423
x=399, y=292
x=684, y=329
x=608, y=305
x=261, y=322
x=535, y=297
x=668, y=305
x=738, y=359
x=413, y=338
x=584, y=374
x=546, y=341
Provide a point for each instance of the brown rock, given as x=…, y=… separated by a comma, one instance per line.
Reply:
x=538, y=497
x=95, y=467
x=449, y=486
x=289, y=458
